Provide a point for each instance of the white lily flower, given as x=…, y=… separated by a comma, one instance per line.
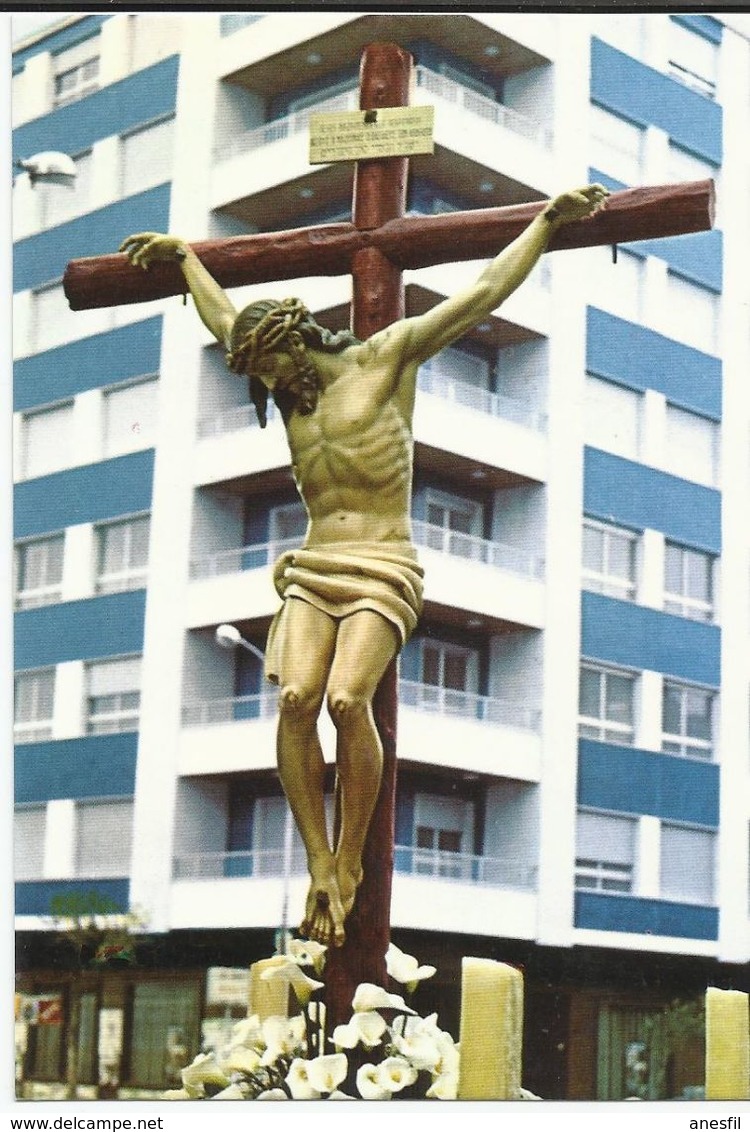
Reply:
x=231, y=1093
x=337, y=1095
x=405, y=969
x=366, y=1028
x=368, y=996
x=283, y=1037
x=204, y=1070
x=308, y=953
x=298, y=1081
x=240, y=1059
x=272, y=1095
x=444, y=1087
x=284, y=968
x=420, y=1050
x=449, y=1055
x=177, y=1095
x=395, y=1074
x=248, y=1032
x=327, y=1071
x=369, y=1086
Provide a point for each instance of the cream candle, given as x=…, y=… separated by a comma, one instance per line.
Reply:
x=727, y=1045
x=268, y=997
x=491, y=1031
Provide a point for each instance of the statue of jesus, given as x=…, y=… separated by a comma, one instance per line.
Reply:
x=353, y=593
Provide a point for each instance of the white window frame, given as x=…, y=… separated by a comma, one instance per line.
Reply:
x=24, y=873
x=121, y=714
x=605, y=582
x=31, y=471
x=144, y=438
x=444, y=538
x=681, y=604
x=130, y=577
x=49, y=592
x=37, y=729
x=683, y=896
x=688, y=747
x=149, y=182
x=598, y=873
x=106, y=868
x=682, y=68
x=437, y=815
x=84, y=73
x=438, y=697
x=608, y=731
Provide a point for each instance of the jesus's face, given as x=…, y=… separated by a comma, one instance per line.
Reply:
x=276, y=370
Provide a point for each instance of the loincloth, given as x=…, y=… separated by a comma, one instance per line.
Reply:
x=344, y=578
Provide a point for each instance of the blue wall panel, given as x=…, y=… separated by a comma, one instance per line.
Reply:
x=697, y=256
x=641, y=359
x=60, y=40
x=637, y=637
x=80, y=630
x=93, y=766
x=139, y=97
x=88, y=363
x=706, y=26
x=88, y=494
x=42, y=258
x=645, y=96
x=621, y=491
x=34, y=897
x=642, y=782
x=645, y=917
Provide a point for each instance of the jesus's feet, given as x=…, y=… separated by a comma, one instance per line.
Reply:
x=349, y=875
x=324, y=911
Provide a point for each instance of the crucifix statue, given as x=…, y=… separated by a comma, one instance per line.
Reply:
x=352, y=594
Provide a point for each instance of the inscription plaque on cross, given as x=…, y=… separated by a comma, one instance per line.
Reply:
x=375, y=248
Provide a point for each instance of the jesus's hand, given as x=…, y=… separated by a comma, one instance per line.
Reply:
x=143, y=248
x=576, y=204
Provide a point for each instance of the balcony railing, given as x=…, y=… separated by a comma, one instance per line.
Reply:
x=465, y=868
x=441, y=384
x=459, y=545
x=423, y=697
x=430, y=82
x=453, y=543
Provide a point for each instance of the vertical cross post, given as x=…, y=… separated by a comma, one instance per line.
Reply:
x=377, y=301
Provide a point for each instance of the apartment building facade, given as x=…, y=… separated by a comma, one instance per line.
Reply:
x=573, y=742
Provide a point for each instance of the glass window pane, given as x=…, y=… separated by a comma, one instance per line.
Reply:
x=698, y=714
x=698, y=575
x=590, y=693
x=430, y=665
x=620, y=562
x=48, y=440
x=455, y=671
x=672, y=710
x=593, y=549
x=619, y=699
x=673, y=568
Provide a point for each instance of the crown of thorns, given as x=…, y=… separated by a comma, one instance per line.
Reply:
x=277, y=326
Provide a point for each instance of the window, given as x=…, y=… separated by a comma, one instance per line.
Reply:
x=449, y=677
x=453, y=524
x=104, y=838
x=443, y=836
x=76, y=71
x=685, y=166
x=692, y=312
x=609, y=560
x=612, y=416
x=617, y=146
x=605, y=852
x=456, y=365
x=687, y=720
x=28, y=842
x=147, y=156
x=114, y=696
x=47, y=440
x=687, y=864
x=59, y=203
x=287, y=527
x=130, y=416
x=691, y=445
x=34, y=704
x=606, y=705
x=693, y=60
x=122, y=555
x=688, y=582
x=38, y=567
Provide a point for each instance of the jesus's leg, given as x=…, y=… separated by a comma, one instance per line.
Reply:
x=309, y=642
x=365, y=646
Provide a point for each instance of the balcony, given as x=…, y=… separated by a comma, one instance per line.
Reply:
x=437, y=727
x=250, y=889
x=468, y=124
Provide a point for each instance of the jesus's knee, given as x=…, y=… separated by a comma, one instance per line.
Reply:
x=299, y=702
x=346, y=707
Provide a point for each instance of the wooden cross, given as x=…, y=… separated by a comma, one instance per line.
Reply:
x=375, y=248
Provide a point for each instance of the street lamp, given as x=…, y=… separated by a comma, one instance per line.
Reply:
x=229, y=637
x=49, y=167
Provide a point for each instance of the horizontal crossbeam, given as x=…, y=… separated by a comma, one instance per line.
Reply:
x=408, y=242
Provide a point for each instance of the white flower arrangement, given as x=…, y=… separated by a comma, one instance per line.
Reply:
x=371, y=1057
